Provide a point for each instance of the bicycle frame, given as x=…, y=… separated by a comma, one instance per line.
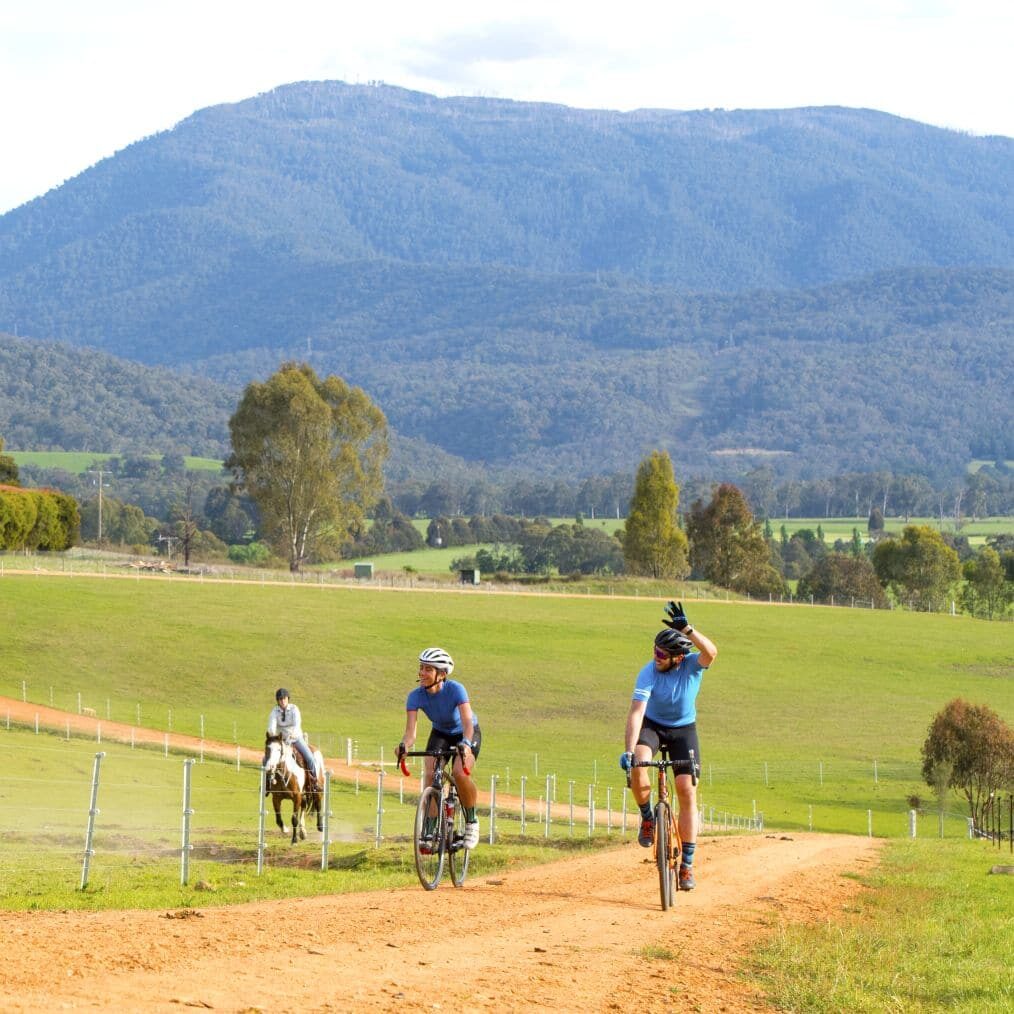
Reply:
x=668, y=845
x=439, y=821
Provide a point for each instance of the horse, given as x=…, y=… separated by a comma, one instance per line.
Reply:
x=285, y=778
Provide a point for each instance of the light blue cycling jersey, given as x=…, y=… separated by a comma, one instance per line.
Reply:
x=671, y=695
x=441, y=708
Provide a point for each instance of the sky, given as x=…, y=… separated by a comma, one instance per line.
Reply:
x=82, y=80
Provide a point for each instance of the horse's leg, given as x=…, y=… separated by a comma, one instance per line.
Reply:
x=276, y=802
x=303, y=802
x=296, y=804
x=318, y=803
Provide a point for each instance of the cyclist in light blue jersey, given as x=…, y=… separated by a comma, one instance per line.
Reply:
x=445, y=703
x=663, y=711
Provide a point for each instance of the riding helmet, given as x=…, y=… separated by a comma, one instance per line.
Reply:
x=438, y=658
x=673, y=642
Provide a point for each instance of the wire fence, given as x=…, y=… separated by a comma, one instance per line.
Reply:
x=72, y=814
x=115, y=566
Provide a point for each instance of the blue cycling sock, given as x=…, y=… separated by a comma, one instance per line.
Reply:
x=646, y=809
x=469, y=814
x=688, y=853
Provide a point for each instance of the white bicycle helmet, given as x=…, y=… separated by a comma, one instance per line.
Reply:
x=438, y=658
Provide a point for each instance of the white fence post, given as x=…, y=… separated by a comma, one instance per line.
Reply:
x=911, y=823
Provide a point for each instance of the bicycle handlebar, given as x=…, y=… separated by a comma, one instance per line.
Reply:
x=679, y=767
x=446, y=755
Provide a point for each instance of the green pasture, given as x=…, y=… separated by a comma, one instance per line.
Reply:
x=812, y=716
x=422, y=561
x=934, y=933
x=78, y=462
x=976, y=529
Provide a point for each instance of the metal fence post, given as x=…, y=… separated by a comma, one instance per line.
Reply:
x=911, y=823
x=93, y=810
x=185, y=847
x=261, y=806
x=380, y=807
x=549, y=803
x=571, y=796
x=492, y=809
x=524, y=782
x=326, y=833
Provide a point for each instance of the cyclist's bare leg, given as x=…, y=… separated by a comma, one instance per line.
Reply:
x=686, y=793
x=467, y=792
x=640, y=781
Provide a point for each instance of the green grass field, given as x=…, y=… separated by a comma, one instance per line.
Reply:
x=812, y=715
x=976, y=530
x=78, y=462
x=935, y=933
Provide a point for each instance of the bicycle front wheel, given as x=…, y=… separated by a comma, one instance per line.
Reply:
x=427, y=840
x=458, y=857
x=663, y=854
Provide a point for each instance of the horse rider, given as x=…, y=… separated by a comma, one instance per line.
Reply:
x=285, y=721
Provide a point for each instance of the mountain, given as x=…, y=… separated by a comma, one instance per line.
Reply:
x=537, y=287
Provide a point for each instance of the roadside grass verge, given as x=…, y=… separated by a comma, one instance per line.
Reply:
x=935, y=932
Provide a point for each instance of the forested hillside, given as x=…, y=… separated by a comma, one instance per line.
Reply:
x=536, y=288
x=57, y=397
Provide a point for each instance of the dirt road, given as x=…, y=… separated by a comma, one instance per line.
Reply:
x=568, y=936
x=573, y=935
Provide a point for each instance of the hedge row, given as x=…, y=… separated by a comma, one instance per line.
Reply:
x=38, y=519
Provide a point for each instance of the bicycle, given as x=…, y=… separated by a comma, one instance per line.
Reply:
x=668, y=846
x=439, y=833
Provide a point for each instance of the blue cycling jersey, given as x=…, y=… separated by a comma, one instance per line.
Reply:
x=441, y=708
x=671, y=695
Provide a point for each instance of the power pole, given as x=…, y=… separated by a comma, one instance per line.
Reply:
x=99, y=472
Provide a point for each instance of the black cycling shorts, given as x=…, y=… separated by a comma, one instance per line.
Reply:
x=448, y=741
x=679, y=739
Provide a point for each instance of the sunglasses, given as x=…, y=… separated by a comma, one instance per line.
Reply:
x=664, y=656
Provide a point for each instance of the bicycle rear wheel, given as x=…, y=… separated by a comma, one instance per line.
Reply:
x=458, y=856
x=663, y=854
x=427, y=840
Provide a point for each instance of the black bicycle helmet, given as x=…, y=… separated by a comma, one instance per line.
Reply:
x=280, y=693
x=673, y=642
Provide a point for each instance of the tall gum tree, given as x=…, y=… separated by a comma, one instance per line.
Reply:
x=309, y=453
x=653, y=542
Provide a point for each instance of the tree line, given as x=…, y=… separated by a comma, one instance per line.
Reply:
x=34, y=519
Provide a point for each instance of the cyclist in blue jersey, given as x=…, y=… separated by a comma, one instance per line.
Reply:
x=663, y=711
x=445, y=703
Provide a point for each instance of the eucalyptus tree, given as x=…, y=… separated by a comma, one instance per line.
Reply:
x=308, y=451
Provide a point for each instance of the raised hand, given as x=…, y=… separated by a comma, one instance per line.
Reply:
x=677, y=617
